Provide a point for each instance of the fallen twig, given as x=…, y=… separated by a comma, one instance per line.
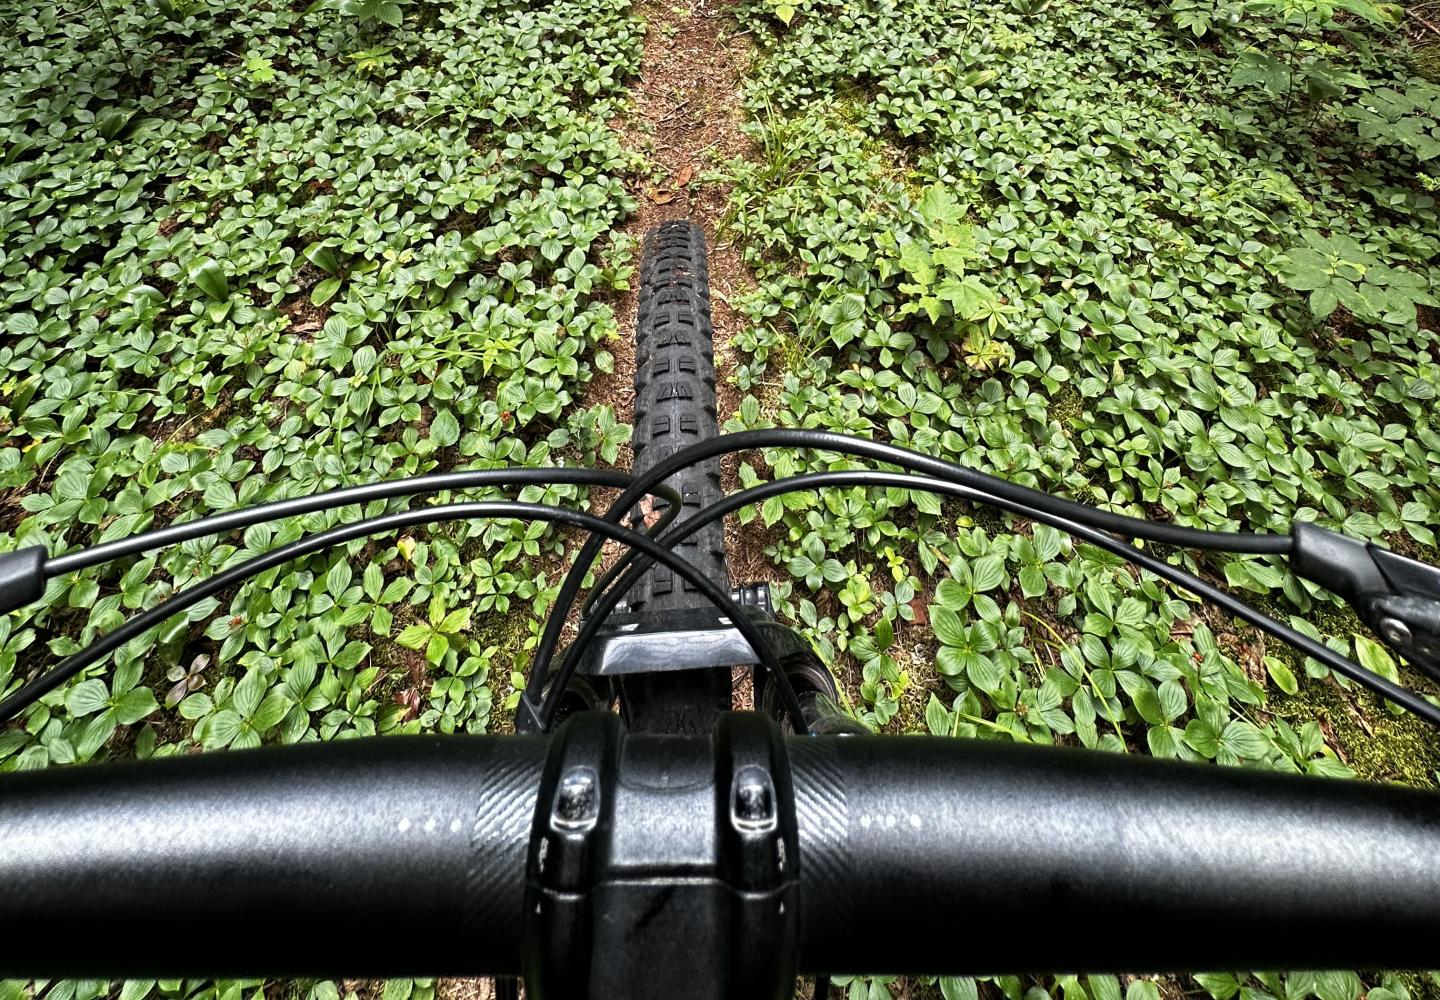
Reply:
x=672, y=112
x=1424, y=23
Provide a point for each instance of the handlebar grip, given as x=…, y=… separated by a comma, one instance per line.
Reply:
x=394, y=857
x=975, y=857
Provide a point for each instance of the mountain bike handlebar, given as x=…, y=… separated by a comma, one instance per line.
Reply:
x=369, y=855
x=601, y=862
x=464, y=855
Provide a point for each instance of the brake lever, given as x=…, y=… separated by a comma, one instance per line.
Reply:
x=1395, y=595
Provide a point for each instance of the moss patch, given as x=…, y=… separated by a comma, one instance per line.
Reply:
x=1378, y=745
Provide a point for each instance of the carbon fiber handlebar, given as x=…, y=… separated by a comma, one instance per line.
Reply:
x=424, y=855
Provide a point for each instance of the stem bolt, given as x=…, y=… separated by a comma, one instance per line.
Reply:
x=754, y=799
x=578, y=801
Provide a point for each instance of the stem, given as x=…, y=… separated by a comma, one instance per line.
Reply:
x=1294, y=51
x=977, y=720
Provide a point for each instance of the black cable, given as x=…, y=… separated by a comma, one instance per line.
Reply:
x=1168, y=534
x=136, y=626
x=1182, y=578
x=604, y=601
x=1227, y=541
x=384, y=490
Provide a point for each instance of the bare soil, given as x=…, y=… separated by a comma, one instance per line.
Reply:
x=684, y=127
x=685, y=123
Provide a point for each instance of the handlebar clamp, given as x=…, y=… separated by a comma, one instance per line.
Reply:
x=663, y=866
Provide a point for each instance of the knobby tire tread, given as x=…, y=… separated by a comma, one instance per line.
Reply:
x=675, y=408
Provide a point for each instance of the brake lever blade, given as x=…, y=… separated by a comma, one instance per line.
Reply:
x=1395, y=595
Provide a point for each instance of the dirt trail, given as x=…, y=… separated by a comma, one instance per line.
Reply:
x=685, y=122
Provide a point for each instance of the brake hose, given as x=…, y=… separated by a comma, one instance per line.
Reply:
x=1167, y=534
x=142, y=622
x=867, y=478
x=384, y=490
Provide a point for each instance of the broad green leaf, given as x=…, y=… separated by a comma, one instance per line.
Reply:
x=373, y=580
x=1336, y=985
x=112, y=121
x=1244, y=740
x=949, y=661
x=222, y=728
x=210, y=278
x=249, y=692
x=96, y=731
x=444, y=429
x=87, y=697
x=454, y=622
x=414, y=636
x=337, y=580
x=196, y=706
x=1032, y=581
x=1376, y=658
x=134, y=705
x=1202, y=738
x=1147, y=703
x=937, y=717
x=967, y=296
x=322, y=257
x=939, y=207
x=271, y=711
x=947, y=626
x=1173, y=700
x=884, y=633
x=985, y=673
x=915, y=258
x=1220, y=985
x=324, y=291
x=1282, y=676
x=988, y=572
x=952, y=594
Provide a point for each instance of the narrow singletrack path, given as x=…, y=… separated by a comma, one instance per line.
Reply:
x=685, y=125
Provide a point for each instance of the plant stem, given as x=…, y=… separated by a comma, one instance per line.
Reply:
x=115, y=37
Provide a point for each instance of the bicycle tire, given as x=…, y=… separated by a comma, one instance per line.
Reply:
x=675, y=408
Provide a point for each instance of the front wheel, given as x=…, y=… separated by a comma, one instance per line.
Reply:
x=674, y=409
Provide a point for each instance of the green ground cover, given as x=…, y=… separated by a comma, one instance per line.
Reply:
x=254, y=255
x=249, y=253
x=1160, y=258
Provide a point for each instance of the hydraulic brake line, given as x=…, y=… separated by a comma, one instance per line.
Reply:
x=1169, y=534
x=347, y=496
x=606, y=594
x=1262, y=543
x=1173, y=574
x=510, y=509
